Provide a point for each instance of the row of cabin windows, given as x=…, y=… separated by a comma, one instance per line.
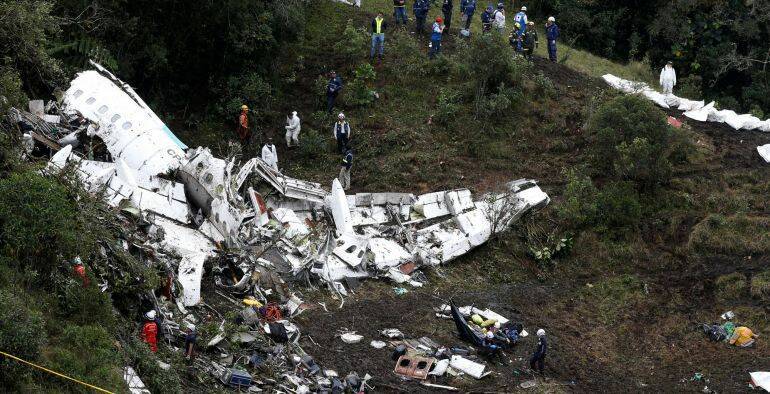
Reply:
x=103, y=110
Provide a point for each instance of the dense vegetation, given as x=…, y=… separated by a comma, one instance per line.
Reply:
x=720, y=48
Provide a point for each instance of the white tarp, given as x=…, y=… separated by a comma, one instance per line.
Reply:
x=694, y=109
x=469, y=367
x=761, y=379
x=764, y=151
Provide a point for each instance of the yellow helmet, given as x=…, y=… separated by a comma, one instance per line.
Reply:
x=244, y=107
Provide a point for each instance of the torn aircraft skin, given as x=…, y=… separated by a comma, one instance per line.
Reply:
x=199, y=206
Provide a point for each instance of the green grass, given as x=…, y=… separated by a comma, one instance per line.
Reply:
x=760, y=285
x=733, y=235
x=731, y=286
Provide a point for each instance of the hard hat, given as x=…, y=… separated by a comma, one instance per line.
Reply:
x=150, y=315
x=497, y=324
x=191, y=327
x=500, y=5
x=541, y=332
x=531, y=23
x=490, y=335
x=341, y=115
x=524, y=8
x=294, y=113
x=551, y=19
x=438, y=19
x=245, y=107
x=77, y=261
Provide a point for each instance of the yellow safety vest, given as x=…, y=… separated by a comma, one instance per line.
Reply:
x=378, y=24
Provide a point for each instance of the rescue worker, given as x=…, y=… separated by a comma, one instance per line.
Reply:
x=347, y=164
x=332, y=91
x=399, y=11
x=446, y=9
x=435, y=38
x=190, y=338
x=293, y=127
x=150, y=330
x=80, y=270
x=420, y=9
x=269, y=154
x=551, y=34
x=499, y=18
x=521, y=19
x=539, y=357
x=341, y=133
x=379, y=25
x=486, y=19
x=468, y=8
x=515, y=39
x=243, y=124
x=530, y=40
x=668, y=78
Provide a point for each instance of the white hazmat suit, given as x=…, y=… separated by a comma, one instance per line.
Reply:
x=292, y=129
x=668, y=79
x=270, y=156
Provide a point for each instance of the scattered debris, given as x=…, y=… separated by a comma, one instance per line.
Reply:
x=414, y=367
x=351, y=337
x=468, y=367
x=378, y=344
x=761, y=379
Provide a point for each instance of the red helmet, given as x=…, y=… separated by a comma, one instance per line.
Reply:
x=439, y=19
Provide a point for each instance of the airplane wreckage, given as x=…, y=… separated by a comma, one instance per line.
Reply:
x=198, y=205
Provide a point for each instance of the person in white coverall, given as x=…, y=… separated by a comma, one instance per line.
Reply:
x=668, y=78
x=292, y=130
x=270, y=155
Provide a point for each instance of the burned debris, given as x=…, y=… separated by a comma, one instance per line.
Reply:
x=255, y=232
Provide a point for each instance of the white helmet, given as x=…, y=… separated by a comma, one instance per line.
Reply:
x=150, y=315
x=341, y=115
x=551, y=19
x=541, y=332
x=524, y=8
x=294, y=113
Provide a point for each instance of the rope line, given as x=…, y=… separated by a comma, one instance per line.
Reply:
x=99, y=389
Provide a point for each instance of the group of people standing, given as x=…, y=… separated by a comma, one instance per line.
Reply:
x=523, y=37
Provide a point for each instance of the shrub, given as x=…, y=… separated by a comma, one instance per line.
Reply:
x=312, y=145
x=760, y=285
x=145, y=362
x=618, y=206
x=40, y=223
x=352, y=44
x=632, y=141
x=11, y=93
x=88, y=353
x=488, y=75
x=360, y=90
x=579, y=207
x=448, y=106
x=690, y=87
x=22, y=333
x=544, y=85
x=731, y=286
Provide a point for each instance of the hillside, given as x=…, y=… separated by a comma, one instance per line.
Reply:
x=664, y=234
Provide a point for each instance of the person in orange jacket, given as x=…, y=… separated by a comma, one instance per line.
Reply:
x=150, y=330
x=80, y=270
x=243, y=124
